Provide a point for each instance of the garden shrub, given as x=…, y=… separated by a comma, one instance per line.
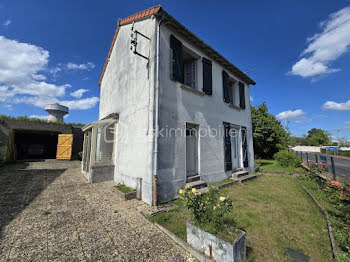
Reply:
x=207, y=209
x=287, y=159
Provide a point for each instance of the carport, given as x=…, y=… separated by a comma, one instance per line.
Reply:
x=35, y=144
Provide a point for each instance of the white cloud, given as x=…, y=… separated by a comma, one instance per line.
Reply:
x=347, y=123
x=7, y=22
x=291, y=114
x=81, y=104
x=251, y=99
x=88, y=66
x=39, y=117
x=39, y=77
x=326, y=46
x=331, y=105
x=53, y=71
x=22, y=79
x=79, y=93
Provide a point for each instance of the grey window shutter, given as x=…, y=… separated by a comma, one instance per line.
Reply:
x=226, y=87
x=227, y=147
x=207, y=76
x=245, y=147
x=241, y=95
x=177, y=64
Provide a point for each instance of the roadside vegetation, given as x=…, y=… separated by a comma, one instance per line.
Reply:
x=334, y=197
x=272, y=219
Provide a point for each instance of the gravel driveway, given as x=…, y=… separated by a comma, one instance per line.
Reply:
x=48, y=212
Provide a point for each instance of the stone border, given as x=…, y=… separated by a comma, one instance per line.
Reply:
x=217, y=248
x=234, y=182
x=198, y=255
x=325, y=214
x=125, y=196
x=278, y=172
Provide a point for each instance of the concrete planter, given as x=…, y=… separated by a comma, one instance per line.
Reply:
x=216, y=248
x=126, y=196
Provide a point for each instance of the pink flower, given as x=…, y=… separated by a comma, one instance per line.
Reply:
x=342, y=175
x=335, y=183
x=310, y=160
x=316, y=164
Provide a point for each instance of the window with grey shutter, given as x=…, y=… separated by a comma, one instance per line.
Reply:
x=241, y=95
x=177, y=62
x=207, y=76
x=226, y=88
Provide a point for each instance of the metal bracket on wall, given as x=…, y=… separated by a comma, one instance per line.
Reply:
x=133, y=41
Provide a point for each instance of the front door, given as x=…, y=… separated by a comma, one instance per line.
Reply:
x=191, y=150
x=234, y=148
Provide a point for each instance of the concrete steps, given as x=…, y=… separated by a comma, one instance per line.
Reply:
x=193, y=178
x=239, y=174
x=197, y=184
x=244, y=178
x=203, y=190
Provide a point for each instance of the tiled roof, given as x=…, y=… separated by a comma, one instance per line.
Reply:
x=139, y=15
x=158, y=9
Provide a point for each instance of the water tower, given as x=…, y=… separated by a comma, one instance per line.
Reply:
x=56, y=112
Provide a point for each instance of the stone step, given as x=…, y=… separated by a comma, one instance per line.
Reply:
x=203, y=190
x=239, y=169
x=193, y=178
x=197, y=184
x=240, y=174
x=245, y=178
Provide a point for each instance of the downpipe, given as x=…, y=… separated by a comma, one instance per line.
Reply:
x=156, y=104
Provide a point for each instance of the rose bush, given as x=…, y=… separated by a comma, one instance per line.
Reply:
x=207, y=209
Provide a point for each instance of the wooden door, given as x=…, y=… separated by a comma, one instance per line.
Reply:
x=64, y=146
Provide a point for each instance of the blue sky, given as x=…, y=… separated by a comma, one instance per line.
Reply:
x=298, y=51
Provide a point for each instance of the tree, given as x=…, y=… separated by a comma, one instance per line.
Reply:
x=318, y=137
x=343, y=142
x=268, y=133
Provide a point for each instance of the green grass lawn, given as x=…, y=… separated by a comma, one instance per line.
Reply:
x=272, y=165
x=276, y=214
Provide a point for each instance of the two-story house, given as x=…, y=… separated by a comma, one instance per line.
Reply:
x=172, y=110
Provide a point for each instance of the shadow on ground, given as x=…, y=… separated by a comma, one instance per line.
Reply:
x=19, y=186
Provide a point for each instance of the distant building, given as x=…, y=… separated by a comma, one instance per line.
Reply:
x=56, y=112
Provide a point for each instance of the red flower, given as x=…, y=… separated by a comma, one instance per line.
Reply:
x=296, y=169
x=335, y=183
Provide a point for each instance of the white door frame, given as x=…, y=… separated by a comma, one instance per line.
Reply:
x=197, y=148
x=239, y=147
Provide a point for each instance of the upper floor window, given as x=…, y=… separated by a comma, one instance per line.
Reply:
x=190, y=71
x=183, y=64
x=232, y=92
